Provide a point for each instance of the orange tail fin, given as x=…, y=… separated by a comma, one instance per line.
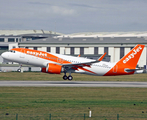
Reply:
x=129, y=61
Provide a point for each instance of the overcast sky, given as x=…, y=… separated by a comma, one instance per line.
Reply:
x=74, y=16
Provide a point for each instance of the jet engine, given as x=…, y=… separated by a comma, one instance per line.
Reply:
x=52, y=68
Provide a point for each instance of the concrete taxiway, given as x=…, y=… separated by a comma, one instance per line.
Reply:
x=71, y=84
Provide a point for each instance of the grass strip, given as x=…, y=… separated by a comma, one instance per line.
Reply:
x=38, y=76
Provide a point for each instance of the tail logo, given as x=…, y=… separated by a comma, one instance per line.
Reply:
x=129, y=57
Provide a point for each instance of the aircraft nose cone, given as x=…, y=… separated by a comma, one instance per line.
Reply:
x=4, y=55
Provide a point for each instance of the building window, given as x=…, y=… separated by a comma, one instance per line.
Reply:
x=106, y=50
x=121, y=52
x=11, y=40
x=96, y=50
x=81, y=50
x=131, y=48
x=72, y=50
x=3, y=47
x=2, y=40
x=16, y=39
x=48, y=49
x=58, y=50
x=35, y=48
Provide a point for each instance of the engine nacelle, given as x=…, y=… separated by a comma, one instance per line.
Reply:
x=52, y=68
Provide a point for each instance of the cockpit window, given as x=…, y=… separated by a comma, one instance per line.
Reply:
x=12, y=51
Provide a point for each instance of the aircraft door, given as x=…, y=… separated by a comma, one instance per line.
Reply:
x=60, y=60
x=115, y=69
x=22, y=54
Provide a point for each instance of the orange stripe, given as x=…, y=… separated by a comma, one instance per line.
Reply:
x=42, y=54
x=84, y=69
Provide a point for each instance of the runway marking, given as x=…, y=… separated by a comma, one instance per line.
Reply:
x=71, y=84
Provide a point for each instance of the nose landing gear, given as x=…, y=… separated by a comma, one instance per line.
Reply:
x=20, y=68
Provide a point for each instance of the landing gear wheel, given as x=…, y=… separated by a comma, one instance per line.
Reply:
x=65, y=77
x=70, y=77
x=18, y=70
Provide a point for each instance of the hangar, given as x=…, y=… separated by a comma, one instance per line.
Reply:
x=90, y=45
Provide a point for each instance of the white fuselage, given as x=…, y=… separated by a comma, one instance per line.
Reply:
x=99, y=68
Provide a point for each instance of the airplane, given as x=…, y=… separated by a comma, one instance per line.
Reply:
x=56, y=63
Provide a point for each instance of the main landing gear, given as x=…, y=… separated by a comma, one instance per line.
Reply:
x=69, y=77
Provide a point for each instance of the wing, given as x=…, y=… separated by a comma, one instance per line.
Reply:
x=87, y=64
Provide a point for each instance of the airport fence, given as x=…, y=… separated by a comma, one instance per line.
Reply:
x=73, y=117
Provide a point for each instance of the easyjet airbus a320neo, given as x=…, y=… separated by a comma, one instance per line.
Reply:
x=57, y=63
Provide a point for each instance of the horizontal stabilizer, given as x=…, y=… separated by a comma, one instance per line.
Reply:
x=135, y=70
x=101, y=58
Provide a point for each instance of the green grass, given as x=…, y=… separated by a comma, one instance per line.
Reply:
x=72, y=101
x=36, y=103
x=77, y=77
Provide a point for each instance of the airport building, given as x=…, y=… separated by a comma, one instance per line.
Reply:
x=90, y=45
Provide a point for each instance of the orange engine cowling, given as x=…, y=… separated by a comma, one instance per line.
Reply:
x=52, y=68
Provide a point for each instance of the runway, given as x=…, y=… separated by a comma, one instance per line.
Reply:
x=71, y=84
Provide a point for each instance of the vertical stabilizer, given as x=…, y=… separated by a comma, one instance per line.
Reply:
x=129, y=61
